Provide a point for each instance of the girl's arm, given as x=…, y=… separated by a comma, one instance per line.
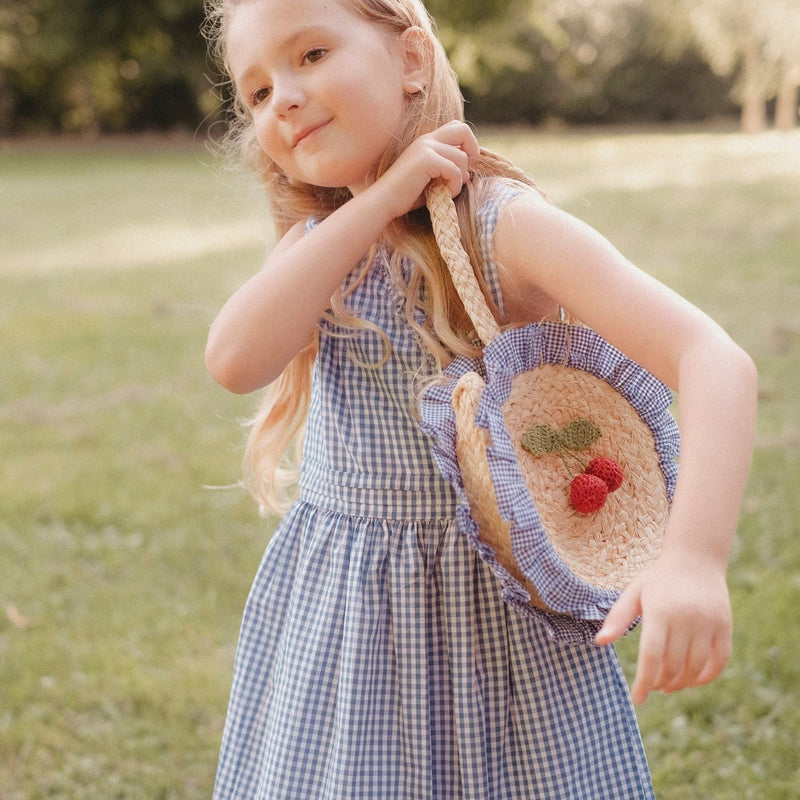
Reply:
x=270, y=318
x=683, y=598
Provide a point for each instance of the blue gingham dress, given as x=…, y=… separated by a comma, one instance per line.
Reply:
x=376, y=659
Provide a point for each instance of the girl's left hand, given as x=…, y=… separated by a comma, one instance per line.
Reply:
x=686, y=623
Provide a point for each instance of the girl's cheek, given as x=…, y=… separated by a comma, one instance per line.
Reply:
x=265, y=137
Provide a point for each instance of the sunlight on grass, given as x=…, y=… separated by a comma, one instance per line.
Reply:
x=122, y=578
x=146, y=208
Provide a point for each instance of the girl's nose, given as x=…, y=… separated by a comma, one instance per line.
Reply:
x=287, y=95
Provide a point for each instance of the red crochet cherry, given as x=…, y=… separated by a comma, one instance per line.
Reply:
x=608, y=470
x=588, y=493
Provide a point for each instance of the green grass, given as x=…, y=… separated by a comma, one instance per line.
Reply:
x=122, y=576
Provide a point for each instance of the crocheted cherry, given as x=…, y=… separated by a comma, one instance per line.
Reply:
x=588, y=493
x=608, y=470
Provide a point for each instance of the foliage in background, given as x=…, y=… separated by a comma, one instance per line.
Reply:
x=123, y=574
x=609, y=61
x=101, y=65
x=93, y=66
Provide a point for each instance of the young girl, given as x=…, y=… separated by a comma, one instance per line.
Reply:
x=376, y=658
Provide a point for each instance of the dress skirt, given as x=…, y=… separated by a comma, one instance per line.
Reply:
x=377, y=660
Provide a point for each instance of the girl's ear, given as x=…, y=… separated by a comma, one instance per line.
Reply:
x=415, y=54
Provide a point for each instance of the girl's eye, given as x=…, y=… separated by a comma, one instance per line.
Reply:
x=259, y=96
x=315, y=54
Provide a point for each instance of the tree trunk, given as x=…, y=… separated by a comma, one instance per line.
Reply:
x=754, y=107
x=786, y=108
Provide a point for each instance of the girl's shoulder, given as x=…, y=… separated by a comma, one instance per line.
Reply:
x=492, y=195
x=494, y=192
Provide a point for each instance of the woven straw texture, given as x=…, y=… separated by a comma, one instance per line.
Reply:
x=551, y=559
x=609, y=547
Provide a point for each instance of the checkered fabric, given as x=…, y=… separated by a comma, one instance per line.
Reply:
x=377, y=659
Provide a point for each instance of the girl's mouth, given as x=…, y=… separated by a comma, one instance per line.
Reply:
x=306, y=132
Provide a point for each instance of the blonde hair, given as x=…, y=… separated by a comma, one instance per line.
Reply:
x=278, y=428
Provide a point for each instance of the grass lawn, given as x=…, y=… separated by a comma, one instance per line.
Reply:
x=125, y=560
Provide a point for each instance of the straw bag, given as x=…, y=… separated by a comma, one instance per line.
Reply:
x=548, y=405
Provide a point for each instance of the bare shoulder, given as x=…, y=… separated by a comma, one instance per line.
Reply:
x=529, y=232
x=532, y=228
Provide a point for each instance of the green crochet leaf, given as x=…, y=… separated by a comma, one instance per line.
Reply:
x=540, y=440
x=580, y=434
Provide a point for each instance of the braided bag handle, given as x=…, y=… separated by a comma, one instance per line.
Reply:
x=471, y=440
x=445, y=228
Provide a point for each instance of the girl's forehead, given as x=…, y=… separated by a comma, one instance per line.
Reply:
x=278, y=14
x=270, y=24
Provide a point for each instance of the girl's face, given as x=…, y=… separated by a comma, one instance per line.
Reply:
x=324, y=85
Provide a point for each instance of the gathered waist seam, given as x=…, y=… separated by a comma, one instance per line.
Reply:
x=434, y=501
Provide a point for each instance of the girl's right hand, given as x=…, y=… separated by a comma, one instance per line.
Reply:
x=440, y=155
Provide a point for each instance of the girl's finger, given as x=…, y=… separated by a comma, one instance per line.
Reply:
x=459, y=134
x=650, y=662
x=453, y=167
x=622, y=615
x=720, y=654
x=647, y=668
x=678, y=662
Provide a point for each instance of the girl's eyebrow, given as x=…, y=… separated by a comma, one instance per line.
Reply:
x=307, y=30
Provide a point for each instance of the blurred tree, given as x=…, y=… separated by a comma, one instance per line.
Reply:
x=581, y=61
x=660, y=73
x=465, y=14
x=100, y=65
x=756, y=40
x=782, y=18
x=504, y=64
